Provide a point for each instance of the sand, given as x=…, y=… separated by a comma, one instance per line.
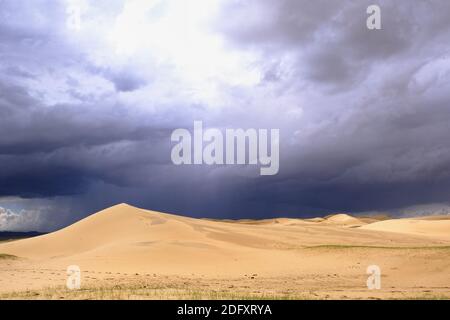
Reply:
x=439, y=229
x=133, y=253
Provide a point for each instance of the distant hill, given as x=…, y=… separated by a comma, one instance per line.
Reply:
x=12, y=235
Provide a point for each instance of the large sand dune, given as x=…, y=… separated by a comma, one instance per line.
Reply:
x=324, y=254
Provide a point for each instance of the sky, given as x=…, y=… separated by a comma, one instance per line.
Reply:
x=90, y=92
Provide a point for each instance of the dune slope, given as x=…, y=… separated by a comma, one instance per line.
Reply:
x=429, y=227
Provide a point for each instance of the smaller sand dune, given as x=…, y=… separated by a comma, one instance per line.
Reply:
x=343, y=219
x=430, y=228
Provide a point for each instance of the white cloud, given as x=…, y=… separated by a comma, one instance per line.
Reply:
x=23, y=220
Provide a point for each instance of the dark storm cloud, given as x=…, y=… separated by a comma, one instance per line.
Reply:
x=364, y=115
x=381, y=142
x=331, y=37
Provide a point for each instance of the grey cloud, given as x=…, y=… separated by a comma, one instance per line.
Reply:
x=331, y=38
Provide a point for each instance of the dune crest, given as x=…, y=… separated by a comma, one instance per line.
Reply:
x=343, y=219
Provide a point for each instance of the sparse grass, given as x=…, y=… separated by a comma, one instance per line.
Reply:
x=417, y=297
x=428, y=296
x=7, y=257
x=215, y=290
x=141, y=293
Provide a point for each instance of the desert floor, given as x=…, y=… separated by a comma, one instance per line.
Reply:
x=129, y=253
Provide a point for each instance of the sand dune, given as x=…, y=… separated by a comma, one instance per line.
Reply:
x=125, y=240
x=125, y=227
x=343, y=219
x=434, y=228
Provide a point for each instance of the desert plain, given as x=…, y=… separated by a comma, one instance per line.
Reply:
x=125, y=252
